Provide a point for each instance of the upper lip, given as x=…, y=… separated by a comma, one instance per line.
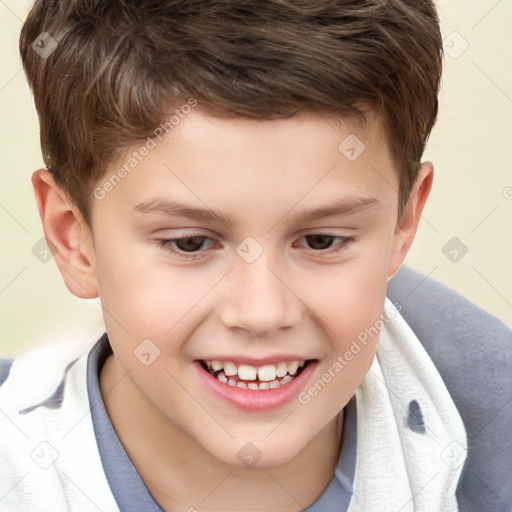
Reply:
x=238, y=360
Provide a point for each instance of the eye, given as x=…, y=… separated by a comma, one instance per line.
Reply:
x=189, y=247
x=323, y=242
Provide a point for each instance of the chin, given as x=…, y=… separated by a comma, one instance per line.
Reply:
x=258, y=454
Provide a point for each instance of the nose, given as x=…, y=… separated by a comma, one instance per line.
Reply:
x=259, y=299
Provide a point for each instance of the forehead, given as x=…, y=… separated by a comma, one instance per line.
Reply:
x=213, y=158
x=206, y=124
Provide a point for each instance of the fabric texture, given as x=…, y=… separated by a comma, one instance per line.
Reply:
x=49, y=458
x=130, y=491
x=59, y=451
x=49, y=461
x=472, y=350
x=52, y=460
x=411, y=440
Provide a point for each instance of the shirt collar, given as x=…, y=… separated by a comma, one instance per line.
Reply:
x=127, y=486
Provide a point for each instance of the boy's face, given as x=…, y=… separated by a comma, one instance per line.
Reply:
x=258, y=288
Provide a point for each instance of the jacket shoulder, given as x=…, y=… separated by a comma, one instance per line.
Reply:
x=472, y=350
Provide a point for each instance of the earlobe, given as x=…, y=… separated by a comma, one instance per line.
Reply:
x=68, y=236
x=406, y=230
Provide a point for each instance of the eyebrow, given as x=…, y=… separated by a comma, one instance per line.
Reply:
x=170, y=208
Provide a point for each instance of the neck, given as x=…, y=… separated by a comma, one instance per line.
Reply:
x=180, y=474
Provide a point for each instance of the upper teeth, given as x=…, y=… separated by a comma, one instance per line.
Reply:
x=266, y=373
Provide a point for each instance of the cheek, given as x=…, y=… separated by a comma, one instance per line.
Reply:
x=145, y=294
x=144, y=298
x=354, y=322
x=349, y=297
x=359, y=319
x=349, y=304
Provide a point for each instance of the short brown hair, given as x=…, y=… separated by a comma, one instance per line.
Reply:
x=119, y=65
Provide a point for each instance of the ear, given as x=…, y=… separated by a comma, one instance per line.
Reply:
x=408, y=224
x=67, y=234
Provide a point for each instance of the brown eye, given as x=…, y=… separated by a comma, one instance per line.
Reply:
x=189, y=244
x=186, y=247
x=320, y=241
x=325, y=244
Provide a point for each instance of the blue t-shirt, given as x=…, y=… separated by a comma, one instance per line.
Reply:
x=129, y=489
x=472, y=352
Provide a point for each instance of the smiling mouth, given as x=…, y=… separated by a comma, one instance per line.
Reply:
x=265, y=377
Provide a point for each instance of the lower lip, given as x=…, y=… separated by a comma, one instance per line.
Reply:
x=254, y=400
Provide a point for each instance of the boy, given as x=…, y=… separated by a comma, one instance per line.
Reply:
x=237, y=183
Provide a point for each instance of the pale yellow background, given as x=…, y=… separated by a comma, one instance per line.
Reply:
x=471, y=148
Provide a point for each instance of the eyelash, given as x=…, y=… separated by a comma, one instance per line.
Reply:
x=167, y=244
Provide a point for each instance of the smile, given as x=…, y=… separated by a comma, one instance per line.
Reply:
x=244, y=376
x=255, y=388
